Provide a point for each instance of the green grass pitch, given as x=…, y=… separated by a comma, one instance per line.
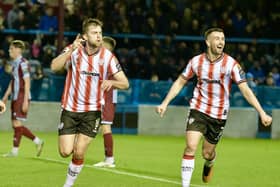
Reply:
x=142, y=161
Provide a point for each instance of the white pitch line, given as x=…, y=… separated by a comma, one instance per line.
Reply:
x=123, y=172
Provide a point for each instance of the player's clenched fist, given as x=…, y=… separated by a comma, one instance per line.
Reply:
x=2, y=107
x=160, y=109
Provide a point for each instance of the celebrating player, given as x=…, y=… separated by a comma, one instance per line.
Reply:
x=215, y=71
x=89, y=65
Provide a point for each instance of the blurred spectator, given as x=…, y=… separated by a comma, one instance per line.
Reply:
x=250, y=80
x=2, y=19
x=13, y=16
x=36, y=48
x=48, y=22
x=21, y=23
x=269, y=81
x=36, y=82
x=49, y=52
x=257, y=72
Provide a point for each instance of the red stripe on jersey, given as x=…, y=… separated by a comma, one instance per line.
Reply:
x=101, y=65
x=222, y=89
x=77, y=81
x=232, y=73
x=88, y=83
x=200, y=62
x=110, y=68
x=210, y=88
x=66, y=94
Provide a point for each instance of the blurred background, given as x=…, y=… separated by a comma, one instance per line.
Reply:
x=155, y=41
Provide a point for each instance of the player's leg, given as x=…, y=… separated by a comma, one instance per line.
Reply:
x=75, y=166
x=188, y=160
x=16, y=138
x=66, y=144
x=86, y=126
x=212, y=136
x=109, y=160
x=108, y=114
x=209, y=154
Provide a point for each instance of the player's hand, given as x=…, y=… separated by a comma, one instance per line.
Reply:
x=266, y=119
x=78, y=42
x=160, y=109
x=2, y=107
x=25, y=106
x=106, y=85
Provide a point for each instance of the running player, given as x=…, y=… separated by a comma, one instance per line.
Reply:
x=215, y=71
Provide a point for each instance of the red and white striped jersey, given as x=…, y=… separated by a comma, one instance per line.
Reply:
x=21, y=70
x=82, y=90
x=214, y=80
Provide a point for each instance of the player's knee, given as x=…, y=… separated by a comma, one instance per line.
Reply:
x=64, y=153
x=190, y=149
x=208, y=154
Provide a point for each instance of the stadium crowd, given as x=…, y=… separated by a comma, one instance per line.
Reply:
x=154, y=59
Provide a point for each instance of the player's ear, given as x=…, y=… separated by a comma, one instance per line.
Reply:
x=207, y=43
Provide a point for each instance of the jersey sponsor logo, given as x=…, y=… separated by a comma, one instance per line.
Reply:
x=90, y=73
x=211, y=81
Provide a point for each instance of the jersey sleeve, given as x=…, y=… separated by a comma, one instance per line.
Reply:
x=67, y=63
x=25, y=69
x=237, y=74
x=115, y=66
x=188, y=72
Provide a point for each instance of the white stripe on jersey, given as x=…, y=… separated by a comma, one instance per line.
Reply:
x=214, y=79
x=82, y=90
x=20, y=71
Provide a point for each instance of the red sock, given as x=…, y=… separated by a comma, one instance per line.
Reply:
x=108, y=144
x=77, y=161
x=188, y=157
x=17, y=136
x=27, y=133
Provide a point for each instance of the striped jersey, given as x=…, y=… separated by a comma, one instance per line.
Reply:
x=82, y=90
x=20, y=70
x=214, y=80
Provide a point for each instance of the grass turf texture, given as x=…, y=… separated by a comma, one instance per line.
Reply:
x=152, y=161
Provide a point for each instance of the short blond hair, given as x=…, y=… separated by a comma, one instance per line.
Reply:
x=18, y=44
x=91, y=21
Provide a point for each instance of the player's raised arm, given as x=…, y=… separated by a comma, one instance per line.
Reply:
x=59, y=62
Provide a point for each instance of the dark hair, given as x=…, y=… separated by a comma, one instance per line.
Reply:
x=91, y=21
x=18, y=44
x=111, y=41
x=209, y=31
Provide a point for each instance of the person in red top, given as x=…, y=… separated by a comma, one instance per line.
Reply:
x=89, y=66
x=215, y=71
x=108, y=114
x=19, y=89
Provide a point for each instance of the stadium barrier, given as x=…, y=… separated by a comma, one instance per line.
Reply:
x=142, y=119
